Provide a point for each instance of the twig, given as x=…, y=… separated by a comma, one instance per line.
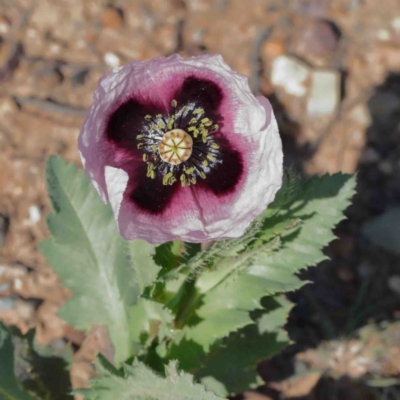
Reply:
x=255, y=60
x=52, y=106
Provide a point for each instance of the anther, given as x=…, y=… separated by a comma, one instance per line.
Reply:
x=169, y=179
x=210, y=157
x=171, y=122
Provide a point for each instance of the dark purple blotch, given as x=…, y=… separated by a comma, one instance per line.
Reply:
x=128, y=120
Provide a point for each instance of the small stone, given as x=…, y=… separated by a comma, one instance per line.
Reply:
x=345, y=273
x=8, y=106
x=386, y=167
x=395, y=24
x=34, y=214
x=388, y=55
x=4, y=25
x=112, y=60
x=112, y=18
x=383, y=34
x=4, y=286
x=369, y=156
x=361, y=115
x=10, y=272
x=317, y=38
x=291, y=74
x=324, y=96
x=272, y=48
x=6, y=303
x=394, y=283
x=18, y=284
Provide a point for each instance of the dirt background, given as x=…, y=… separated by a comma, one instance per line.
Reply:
x=331, y=70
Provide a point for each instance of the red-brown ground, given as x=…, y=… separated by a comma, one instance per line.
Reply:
x=338, y=109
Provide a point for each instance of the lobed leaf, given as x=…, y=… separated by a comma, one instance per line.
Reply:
x=108, y=276
x=235, y=285
x=89, y=256
x=230, y=364
x=141, y=383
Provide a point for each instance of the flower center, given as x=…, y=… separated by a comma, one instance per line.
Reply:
x=180, y=146
x=175, y=147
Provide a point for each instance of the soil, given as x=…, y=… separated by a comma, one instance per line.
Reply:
x=52, y=54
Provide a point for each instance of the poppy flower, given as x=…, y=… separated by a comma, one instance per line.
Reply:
x=181, y=149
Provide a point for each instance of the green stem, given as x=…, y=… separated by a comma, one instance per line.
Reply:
x=184, y=302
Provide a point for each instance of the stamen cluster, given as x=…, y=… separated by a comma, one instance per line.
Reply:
x=182, y=146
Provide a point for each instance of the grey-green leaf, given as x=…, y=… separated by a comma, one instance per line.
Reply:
x=141, y=383
x=89, y=256
x=236, y=284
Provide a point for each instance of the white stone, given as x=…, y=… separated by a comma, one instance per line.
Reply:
x=291, y=74
x=395, y=24
x=4, y=26
x=361, y=115
x=383, y=34
x=34, y=214
x=18, y=284
x=112, y=60
x=324, y=95
x=6, y=303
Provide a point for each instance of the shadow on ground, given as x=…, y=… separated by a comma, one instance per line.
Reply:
x=360, y=284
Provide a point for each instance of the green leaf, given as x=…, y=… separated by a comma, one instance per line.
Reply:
x=89, y=256
x=230, y=364
x=9, y=387
x=234, y=361
x=220, y=250
x=235, y=285
x=146, y=315
x=274, y=316
x=171, y=254
x=145, y=269
x=142, y=383
x=291, y=185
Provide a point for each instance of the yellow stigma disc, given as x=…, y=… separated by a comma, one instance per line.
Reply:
x=175, y=147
